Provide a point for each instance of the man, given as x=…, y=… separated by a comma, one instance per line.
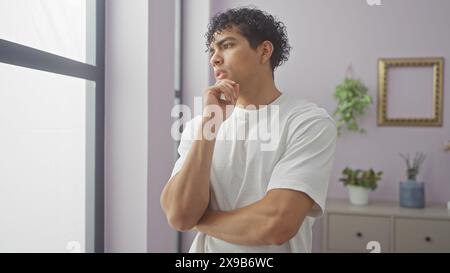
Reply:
x=238, y=196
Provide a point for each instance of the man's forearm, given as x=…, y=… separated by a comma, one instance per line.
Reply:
x=273, y=220
x=186, y=197
x=251, y=225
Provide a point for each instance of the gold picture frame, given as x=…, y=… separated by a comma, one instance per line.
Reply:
x=383, y=68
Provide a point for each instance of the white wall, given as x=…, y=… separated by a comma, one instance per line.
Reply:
x=139, y=97
x=126, y=126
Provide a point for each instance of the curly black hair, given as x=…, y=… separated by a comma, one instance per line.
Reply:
x=256, y=26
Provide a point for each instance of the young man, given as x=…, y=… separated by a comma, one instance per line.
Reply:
x=239, y=195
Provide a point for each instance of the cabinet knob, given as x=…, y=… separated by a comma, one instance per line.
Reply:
x=359, y=234
x=428, y=239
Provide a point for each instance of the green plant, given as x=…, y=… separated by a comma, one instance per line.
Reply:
x=361, y=178
x=412, y=168
x=353, y=99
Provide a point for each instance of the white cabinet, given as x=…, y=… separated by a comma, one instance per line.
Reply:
x=351, y=232
x=417, y=235
x=350, y=228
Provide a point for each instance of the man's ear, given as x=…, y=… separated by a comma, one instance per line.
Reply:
x=266, y=48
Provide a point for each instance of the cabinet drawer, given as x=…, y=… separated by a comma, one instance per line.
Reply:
x=352, y=233
x=418, y=235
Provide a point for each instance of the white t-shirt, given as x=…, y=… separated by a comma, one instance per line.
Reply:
x=298, y=155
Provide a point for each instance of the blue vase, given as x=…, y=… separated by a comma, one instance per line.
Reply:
x=412, y=194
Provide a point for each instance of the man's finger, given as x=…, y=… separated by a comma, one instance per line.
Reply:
x=228, y=92
x=232, y=90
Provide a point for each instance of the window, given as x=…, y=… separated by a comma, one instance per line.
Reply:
x=51, y=125
x=58, y=27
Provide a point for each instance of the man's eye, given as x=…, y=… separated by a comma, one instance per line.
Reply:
x=225, y=46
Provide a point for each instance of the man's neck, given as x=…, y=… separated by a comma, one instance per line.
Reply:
x=259, y=92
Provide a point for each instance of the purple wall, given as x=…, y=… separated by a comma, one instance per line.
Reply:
x=326, y=37
x=160, y=237
x=195, y=65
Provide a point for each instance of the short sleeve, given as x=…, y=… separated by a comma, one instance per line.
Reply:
x=187, y=138
x=307, y=161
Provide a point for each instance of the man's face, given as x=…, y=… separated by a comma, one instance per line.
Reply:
x=232, y=58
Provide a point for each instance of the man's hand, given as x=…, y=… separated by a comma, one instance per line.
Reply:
x=212, y=98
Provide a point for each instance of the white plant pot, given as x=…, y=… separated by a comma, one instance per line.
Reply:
x=358, y=195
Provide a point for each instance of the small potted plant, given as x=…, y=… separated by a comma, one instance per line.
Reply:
x=412, y=192
x=353, y=99
x=359, y=184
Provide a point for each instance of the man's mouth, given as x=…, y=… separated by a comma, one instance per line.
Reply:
x=221, y=74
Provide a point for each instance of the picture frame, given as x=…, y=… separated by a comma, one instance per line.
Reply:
x=384, y=67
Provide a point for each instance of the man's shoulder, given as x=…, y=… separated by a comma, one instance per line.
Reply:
x=299, y=110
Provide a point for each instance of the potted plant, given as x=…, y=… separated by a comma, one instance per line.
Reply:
x=359, y=184
x=353, y=99
x=412, y=192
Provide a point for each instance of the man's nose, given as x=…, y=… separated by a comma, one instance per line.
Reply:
x=216, y=60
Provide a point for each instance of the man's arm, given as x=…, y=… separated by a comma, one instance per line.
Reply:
x=185, y=197
x=273, y=220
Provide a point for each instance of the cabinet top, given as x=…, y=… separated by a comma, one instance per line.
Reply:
x=386, y=208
